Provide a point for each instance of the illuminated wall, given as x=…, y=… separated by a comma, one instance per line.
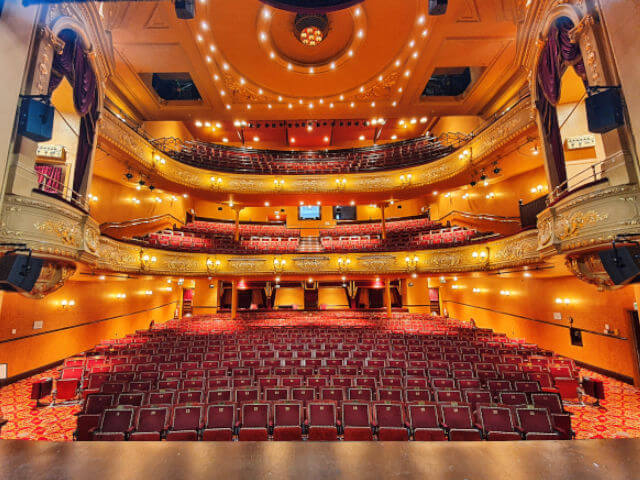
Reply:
x=99, y=312
x=333, y=298
x=529, y=311
x=290, y=296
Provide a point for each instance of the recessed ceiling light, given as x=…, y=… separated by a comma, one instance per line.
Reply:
x=400, y=89
x=421, y=20
x=208, y=59
x=360, y=33
x=352, y=104
x=350, y=53
x=414, y=120
x=321, y=101
x=412, y=43
x=331, y=105
x=424, y=32
x=332, y=66
x=407, y=73
x=272, y=55
x=260, y=92
x=242, y=81
x=266, y=13
x=423, y=120
x=361, y=89
x=326, y=139
x=289, y=67
x=256, y=139
x=225, y=66
x=292, y=140
x=248, y=106
x=397, y=63
x=357, y=12
x=223, y=93
x=204, y=25
x=311, y=70
x=228, y=106
x=290, y=106
x=216, y=77
x=373, y=104
x=380, y=78
x=218, y=125
x=311, y=105
x=212, y=47
x=199, y=38
x=207, y=124
x=225, y=139
x=394, y=104
x=198, y=123
x=279, y=98
x=341, y=97
x=415, y=54
x=300, y=101
x=269, y=106
x=263, y=36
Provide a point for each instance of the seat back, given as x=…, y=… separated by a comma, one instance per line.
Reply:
x=96, y=403
x=355, y=414
x=152, y=419
x=389, y=414
x=287, y=414
x=534, y=420
x=321, y=414
x=255, y=415
x=221, y=416
x=423, y=416
x=117, y=420
x=456, y=416
x=186, y=417
x=550, y=401
x=161, y=398
x=496, y=419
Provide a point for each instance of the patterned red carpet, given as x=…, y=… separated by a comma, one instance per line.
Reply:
x=618, y=417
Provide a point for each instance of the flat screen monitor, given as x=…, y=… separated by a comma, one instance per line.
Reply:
x=341, y=212
x=309, y=212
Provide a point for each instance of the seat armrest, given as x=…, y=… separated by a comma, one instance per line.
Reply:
x=519, y=429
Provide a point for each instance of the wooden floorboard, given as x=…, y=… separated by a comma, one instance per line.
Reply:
x=580, y=459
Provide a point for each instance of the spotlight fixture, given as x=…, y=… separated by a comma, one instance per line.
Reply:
x=152, y=188
x=483, y=176
x=128, y=175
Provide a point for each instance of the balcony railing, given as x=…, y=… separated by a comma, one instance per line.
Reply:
x=223, y=158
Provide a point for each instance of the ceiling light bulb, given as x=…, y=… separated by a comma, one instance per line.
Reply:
x=361, y=137
x=373, y=104
x=341, y=97
x=272, y=55
x=393, y=137
x=360, y=33
x=407, y=73
x=412, y=43
x=331, y=105
x=269, y=106
x=332, y=66
x=394, y=104
x=204, y=25
x=199, y=38
x=279, y=98
x=397, y=63
x=263, y=36
x=421, y=20
x=222, y=93
x=350, y=53
x=266, y=13
x=225, y=66
x=357, y=12
x=260, y=91
x=256, y=139
x=228, y=107
x=415, y=55
x=311, y=70
x=352, y=104
x=198, y=123
x=208, y=59
x=424, y=32
x=242, y=81
x=212, y=47
x=289, y=67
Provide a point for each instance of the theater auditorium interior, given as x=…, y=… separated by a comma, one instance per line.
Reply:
x=319, y=239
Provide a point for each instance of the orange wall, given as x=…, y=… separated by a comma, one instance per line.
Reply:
x=507, y=193
x=456, y=123
x=205, y=299
x=94, y=300
x=536, y=298
x=167, y=128
x=115, y=202
x=290, y=296
x=333, y=297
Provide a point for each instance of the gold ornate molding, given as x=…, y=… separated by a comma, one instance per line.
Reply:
x=115, y=134
x=589, y=219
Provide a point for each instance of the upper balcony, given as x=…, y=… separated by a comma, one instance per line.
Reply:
x=398, y=169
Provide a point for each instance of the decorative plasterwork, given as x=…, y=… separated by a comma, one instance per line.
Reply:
x=589, y=219
x=114, y=133
x=312, y=263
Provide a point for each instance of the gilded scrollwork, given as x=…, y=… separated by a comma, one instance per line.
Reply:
x=312, y=264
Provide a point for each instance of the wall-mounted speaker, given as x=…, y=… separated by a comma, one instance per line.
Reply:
x=604, y=110
x=437, y=7
x=622, y=264
x=185, y=9
x=18, y=273
x=35, y=119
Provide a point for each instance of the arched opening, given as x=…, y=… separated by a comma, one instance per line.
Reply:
x=63, y=163
x=583, y=151
x=558, y=55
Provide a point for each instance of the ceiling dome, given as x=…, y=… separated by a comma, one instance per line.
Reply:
x=311, y=6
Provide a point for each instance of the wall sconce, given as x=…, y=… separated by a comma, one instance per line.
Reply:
x=341, y=183
x=405, y=180
x=216, y=182
x=92, y=198
x=278, y=184
x=159, y=160
x=146, y=260
x=481, y=254
x=148, y=292
x=181, y=281
x=67, y=303
x=565, y=301
x=476, y=290
x=456, y=287
x=489, y=196
x=279, y=264
x=343, y=264
x=213, y=265
x=411, y=263
x=135, y=201
x=121, y=295
x=505, y=292
x=465, y=155
x=537, y=189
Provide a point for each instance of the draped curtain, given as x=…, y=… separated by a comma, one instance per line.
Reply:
x=557, y=55
x=74, y=65
x=50, y=178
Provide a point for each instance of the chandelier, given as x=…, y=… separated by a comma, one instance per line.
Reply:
x=311, y=29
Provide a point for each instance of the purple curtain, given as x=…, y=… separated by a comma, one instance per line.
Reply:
x=556, y=56
x=74, y=64
x=50, y=178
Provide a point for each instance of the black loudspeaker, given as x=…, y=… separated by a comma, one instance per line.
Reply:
x=622, y=264
x=35, y=119
x=185, y=9
x=604, y=110
x=576, y=336
x=18, y=273
x=437, y=7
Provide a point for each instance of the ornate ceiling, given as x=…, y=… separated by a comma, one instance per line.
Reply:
x=248, y=65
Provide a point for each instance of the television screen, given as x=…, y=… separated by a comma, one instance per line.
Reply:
x=310, y=212
x=344, y=213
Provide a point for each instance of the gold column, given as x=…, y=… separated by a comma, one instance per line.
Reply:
x=387, y=295
x=234, y=299
x=382, y=216
x=237, y=209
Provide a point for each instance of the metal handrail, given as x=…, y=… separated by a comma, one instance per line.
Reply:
x=563, y=188
x=139, y=221
x=481, y=216
x=65, y=193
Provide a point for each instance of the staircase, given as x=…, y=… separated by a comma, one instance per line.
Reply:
x=310, y=245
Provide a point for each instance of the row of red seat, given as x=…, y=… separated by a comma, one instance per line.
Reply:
x=223, y=158
x=291, y=421
x=412, y=225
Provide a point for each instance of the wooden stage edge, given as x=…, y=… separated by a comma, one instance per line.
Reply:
x=578, y=459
